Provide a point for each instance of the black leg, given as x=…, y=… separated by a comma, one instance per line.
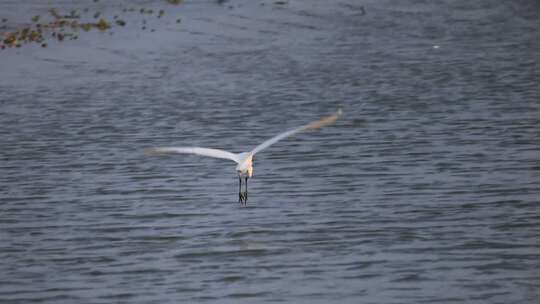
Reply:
x=240, y=196
x=246, y=193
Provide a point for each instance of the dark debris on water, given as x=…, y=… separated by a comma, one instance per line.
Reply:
x=63, y=27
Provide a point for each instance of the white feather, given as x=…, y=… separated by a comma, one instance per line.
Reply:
x=244, y=160
x=196, y=150
x=313, y=125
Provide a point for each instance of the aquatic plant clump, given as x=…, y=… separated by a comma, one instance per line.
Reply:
x=63, y=27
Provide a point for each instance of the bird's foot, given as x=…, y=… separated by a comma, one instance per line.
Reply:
x=242, y=198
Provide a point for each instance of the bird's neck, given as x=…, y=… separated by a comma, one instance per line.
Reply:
x=245, y=167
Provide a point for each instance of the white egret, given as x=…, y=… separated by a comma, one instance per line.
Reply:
x=245, y=159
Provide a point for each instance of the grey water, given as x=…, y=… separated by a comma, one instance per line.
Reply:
x=426, y=190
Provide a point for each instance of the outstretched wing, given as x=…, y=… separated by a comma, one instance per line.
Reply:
x=195, y=150
x=314, y=125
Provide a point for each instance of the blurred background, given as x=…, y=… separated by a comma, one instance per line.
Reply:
x=426, y=190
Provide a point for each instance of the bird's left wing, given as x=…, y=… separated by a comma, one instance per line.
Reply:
x=196, y=150
x=314, y=125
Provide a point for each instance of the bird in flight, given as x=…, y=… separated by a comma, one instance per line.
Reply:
x=244, y=160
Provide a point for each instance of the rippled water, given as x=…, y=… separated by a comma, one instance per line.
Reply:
x=427, y=190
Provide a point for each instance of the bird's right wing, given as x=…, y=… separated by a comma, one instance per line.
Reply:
x=195, y=150
x=314, y=125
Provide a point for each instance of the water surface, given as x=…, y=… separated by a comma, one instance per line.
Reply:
x=425, y=191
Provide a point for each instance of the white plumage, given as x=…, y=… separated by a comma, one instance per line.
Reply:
x=244, y=160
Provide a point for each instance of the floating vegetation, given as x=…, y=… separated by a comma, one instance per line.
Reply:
x=72, y=15
x=64, y=27
x=86, y=26
x=103, y=25
x=17, y=38
x=57, y=29
x=146, y=11
x=11, y=38
x=54, y=13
